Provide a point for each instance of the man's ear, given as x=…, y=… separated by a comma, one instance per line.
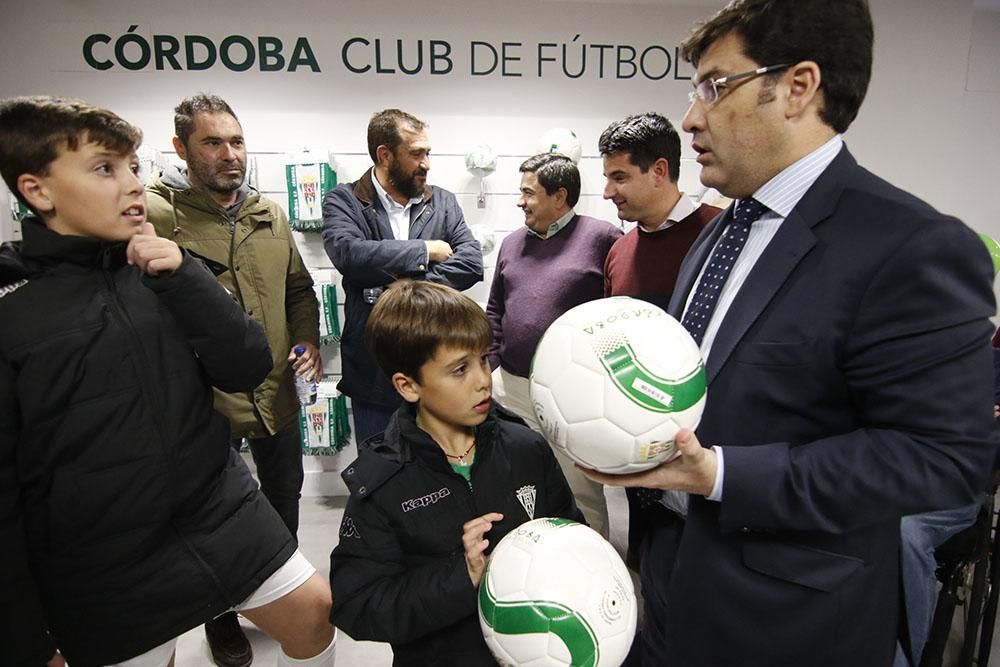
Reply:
x=661, y=170
x=561, y=195
x=803, y=81
x=180, y=148
x=32, y=188
x=383, y=153
x=406, y=386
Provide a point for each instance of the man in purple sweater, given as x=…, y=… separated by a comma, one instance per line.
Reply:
x=555, y=262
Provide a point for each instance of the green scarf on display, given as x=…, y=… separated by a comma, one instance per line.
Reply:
x=307, y=185
x=324, y=426
x=329, y=324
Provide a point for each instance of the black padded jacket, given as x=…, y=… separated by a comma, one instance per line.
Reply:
x=125, y=518
x=398, y=572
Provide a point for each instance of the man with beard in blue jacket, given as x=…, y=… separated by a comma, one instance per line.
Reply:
x=390, y=224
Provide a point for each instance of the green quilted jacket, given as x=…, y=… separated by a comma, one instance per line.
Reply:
x=266, y=275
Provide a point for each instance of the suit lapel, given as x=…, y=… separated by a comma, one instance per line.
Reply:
x=790, y=244
x=695, y=259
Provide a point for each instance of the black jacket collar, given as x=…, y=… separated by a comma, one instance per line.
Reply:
x=382, y=456
x=48, y=248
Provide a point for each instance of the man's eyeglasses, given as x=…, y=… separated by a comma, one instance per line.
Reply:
x=708, y=90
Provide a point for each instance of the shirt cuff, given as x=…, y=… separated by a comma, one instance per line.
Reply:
x=720, y=472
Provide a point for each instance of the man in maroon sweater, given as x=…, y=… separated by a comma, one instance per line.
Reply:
x=642, y=163
x=553, y=263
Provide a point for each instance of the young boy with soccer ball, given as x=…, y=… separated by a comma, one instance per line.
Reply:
x=450, y=476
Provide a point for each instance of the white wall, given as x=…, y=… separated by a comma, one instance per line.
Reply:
x=927, y=124
x=931, y=122
x=920, y=126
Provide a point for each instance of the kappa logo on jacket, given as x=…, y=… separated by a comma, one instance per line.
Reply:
x=348, y=529
x=8, y=289
x=424, y=501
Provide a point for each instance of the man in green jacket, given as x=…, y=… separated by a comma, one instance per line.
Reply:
x=208, y=209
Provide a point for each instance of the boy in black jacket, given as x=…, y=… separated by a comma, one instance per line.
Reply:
x=125, y=518
x=451, y=468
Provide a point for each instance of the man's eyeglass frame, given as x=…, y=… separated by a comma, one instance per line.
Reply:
x=707, y=91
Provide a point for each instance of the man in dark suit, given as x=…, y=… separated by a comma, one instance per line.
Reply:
x=844, y=324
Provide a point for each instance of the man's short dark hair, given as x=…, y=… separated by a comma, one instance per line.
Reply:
x=646, y=137
x=413, y=318
x=385, y=129
x=189, y=107
x=837, y=36
x=555, y=171
x=35, y=130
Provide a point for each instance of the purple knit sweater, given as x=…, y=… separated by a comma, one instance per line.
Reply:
x=537, y=280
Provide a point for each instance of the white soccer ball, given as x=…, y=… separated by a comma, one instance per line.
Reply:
x=481, y=160
x=556, y=593
x=613, y=380
x=561, y=140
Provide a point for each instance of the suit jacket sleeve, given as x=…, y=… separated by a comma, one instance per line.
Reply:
x=231, y=347
x=362, y=260
x=24, y=639
x=301, y=305
x=917, y=362
x=376, y=597
x=465, y=266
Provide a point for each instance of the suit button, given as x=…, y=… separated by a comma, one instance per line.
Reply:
x=237, y=268
x=421, y=267
x=744, y=530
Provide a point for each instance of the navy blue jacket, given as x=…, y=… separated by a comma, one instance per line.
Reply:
x=359, y=241
x=849, y=384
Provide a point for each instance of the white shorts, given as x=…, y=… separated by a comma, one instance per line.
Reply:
x=295, y=572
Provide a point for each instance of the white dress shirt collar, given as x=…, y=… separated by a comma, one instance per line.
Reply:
x=682, y=209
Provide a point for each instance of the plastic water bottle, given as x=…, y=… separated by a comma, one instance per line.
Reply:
x=305, y=389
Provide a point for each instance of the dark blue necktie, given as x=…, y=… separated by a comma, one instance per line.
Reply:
x=720, y=265
x=699, y=312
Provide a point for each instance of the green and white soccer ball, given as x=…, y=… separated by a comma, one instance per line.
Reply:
x=556, y=593
x=561, y=140
x=613, y=381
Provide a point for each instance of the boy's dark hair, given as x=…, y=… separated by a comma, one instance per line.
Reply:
x=555, y=171
x=384, y=129
x=34, y=130
x=413, y=318
x=837, y=36
x=646, y=137
x=189, y=107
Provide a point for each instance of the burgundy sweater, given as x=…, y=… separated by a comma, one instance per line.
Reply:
x=645, y=265
x=537, y=280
